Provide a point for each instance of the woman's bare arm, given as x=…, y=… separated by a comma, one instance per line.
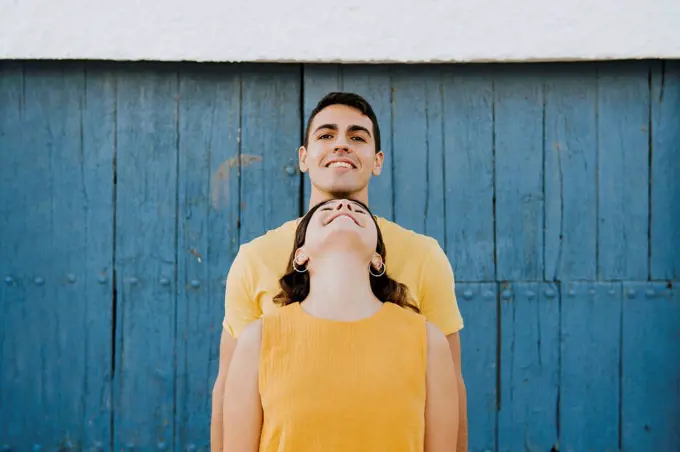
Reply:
x=441, y=408
x=242, y=407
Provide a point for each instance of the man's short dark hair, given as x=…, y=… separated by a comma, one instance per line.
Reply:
x=350, y=100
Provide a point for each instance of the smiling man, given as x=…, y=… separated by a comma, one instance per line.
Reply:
x=341, y=152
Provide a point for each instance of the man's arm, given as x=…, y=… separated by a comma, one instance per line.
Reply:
x=240, y=310
x=440, y=306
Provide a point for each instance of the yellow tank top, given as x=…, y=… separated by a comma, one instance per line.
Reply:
x=335, y=386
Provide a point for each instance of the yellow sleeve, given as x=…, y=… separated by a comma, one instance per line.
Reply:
x=240, y=307
x=438, y=292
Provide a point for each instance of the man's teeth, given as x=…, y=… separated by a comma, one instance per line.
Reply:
x=340, y=165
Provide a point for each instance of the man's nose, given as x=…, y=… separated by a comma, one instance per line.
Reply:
x=341, y=144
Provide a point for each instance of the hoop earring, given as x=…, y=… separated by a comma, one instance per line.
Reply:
x=295, y=265
x=297, y=269
x=370, y=270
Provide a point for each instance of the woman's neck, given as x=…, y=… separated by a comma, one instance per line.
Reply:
x=340, y=288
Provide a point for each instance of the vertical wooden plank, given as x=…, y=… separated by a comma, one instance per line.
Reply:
x=41, y=89
x=57, y=218
x=58, y=97
x=530, y=320
x=623, y=170
x=319, y=80
x=479, y=307
x=518, y=123
x=650, y=412
x=468, y=171
x=590, y=344
x=435, y=214
x=54, y=94
x=665, y=160
x=15, y=389
x=375, y=85
x=571, y=173
x=409, y=150
x=97, y=173
x=209, y=118
x=270, y=128
x=146, y=217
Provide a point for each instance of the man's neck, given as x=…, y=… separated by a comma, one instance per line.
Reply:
x=318, y=196
x=340, y=288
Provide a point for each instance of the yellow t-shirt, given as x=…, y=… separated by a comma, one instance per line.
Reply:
x=412, y=259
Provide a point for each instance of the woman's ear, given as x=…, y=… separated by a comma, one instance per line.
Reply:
x=301, y=257
x=377, y=262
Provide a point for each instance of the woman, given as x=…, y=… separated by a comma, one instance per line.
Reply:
x=347, y=364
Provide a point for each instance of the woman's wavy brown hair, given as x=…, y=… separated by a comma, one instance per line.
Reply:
x=295, y=285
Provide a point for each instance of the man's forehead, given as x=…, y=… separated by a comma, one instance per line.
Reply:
x=342, y=116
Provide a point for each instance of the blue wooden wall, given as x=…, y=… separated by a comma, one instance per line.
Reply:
x=125, y=190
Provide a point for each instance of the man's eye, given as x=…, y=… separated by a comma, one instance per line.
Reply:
x=324, y=136
x=359, y=138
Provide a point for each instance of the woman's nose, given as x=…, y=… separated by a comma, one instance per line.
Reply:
x=344, y=205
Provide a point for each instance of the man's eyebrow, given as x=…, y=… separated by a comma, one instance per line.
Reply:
x=355, y=128
x=352, y=128
x=327, y=126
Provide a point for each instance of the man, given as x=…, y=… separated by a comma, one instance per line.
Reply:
x=341, y=153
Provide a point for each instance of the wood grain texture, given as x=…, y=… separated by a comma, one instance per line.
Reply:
x=418, y=152
x=479, y=342
x=17, y=366
x=208, y=179
x=435, y=201
x=571, y=192
x=409, y=147
x=665, y=172
x=518, y=132
x=590, y=351
x=146, y=260
x=623, y=171
x=468, y=169
x=530, y=332
x=97, y=185
x=650, y=391
x=270, y=132
x=58, y=179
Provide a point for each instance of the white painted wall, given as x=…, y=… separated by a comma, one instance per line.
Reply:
x=340, y=31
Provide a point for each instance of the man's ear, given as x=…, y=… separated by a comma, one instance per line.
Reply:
x=302, y=159
x=378, y=163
